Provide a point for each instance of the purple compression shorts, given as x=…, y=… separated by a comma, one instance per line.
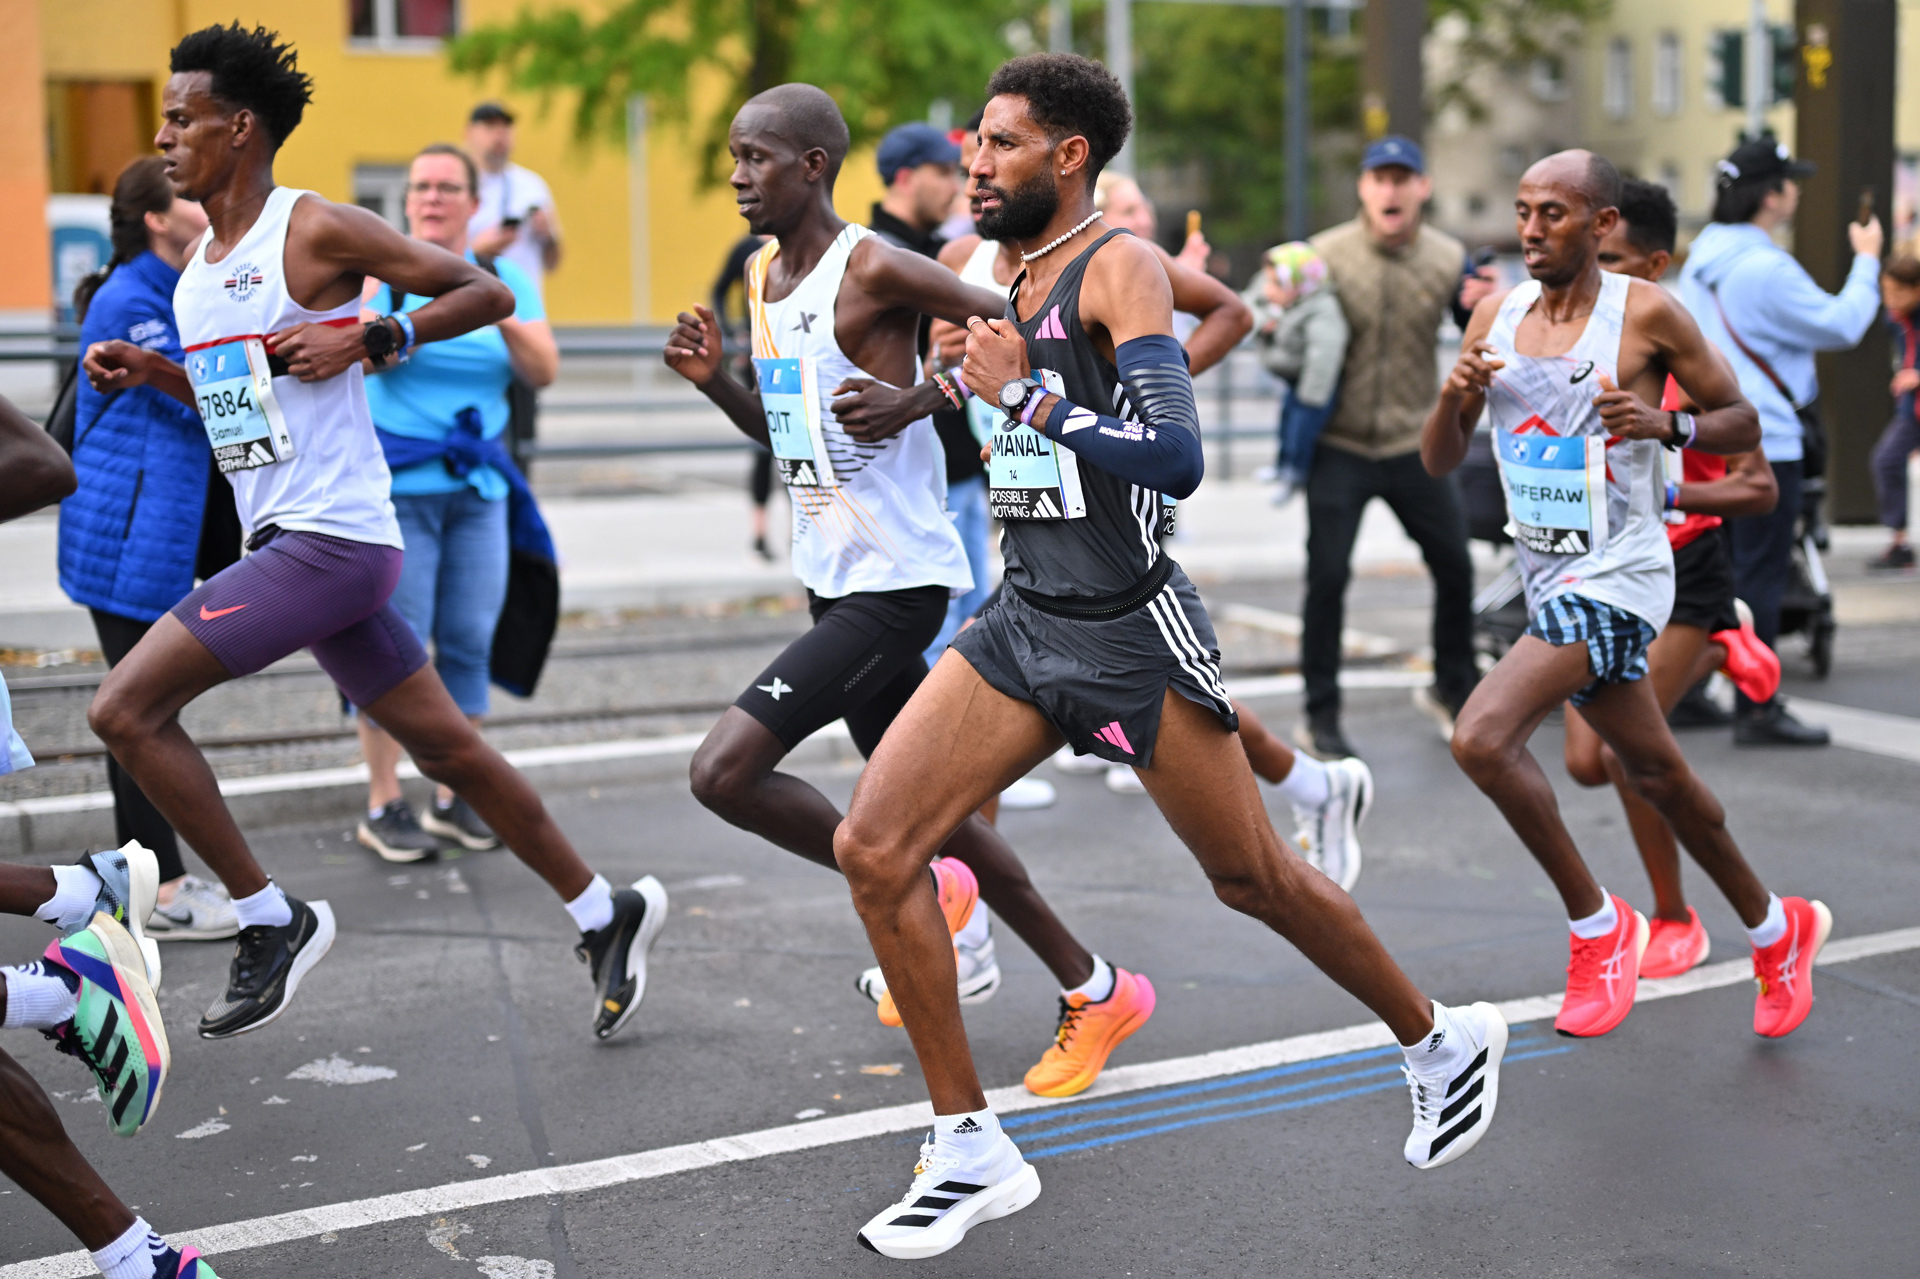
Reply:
x=312, y=591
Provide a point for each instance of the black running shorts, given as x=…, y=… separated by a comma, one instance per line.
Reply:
x=1703, y=587
x=1102, y=682
x=860, y=662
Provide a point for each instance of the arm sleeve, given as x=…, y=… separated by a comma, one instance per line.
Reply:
x=1801, y=313
x=1161, y=449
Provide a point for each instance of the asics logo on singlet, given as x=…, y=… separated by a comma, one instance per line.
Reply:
x=245, y=279
x=774, y=689
x=803, y=323
x=1580, y=374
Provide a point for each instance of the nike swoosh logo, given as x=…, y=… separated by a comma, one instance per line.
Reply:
x=207, y=616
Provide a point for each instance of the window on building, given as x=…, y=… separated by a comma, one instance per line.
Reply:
x=1667, y=89
x=382, y=189
x=1616, y=89
x=1548, y=78
x=1476, y=205
x=387, y=22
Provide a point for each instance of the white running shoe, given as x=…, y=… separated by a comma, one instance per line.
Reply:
x=1028, y=792
x=199, y=911
x=978, y=970
x=1328, y=836
x=947, y=1199
x=1122, y=780
x=1453, y=1104
x=1078, y=765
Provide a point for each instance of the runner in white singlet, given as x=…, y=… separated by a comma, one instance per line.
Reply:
x=268, y=310
x=1568, y=367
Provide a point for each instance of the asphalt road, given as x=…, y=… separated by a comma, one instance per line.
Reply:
x=446, y=1040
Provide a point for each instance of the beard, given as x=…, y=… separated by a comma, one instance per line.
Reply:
x=1024, y=211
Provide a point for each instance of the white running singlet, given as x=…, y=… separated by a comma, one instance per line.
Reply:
x=335, y=480
x=1584, y=504
x=866, y=517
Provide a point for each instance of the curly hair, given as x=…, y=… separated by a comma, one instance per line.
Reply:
x=1068, y=96
x=1652, y=221
x=251, y=70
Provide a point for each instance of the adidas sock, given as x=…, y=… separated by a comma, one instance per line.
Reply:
x=1442, y=1046
x=974, y=935
x=39, y=996
x=1306, y=784
x=76, y=890
x=1097, y=987
x=268, y=908
x=131, y=1256
x=592, y=910
x=1598, y=924
x=970, y=1136
x=1772, y=928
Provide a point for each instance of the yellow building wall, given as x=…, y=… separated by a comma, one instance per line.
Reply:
x=374, y=106
x=26, y=277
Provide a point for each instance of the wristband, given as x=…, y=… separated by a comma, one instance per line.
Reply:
x=1032, y=406
x=405, y=322
x=945, y=384
x=1673, y=495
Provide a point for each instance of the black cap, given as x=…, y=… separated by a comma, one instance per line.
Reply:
x=490, y=113
x=1764, y=158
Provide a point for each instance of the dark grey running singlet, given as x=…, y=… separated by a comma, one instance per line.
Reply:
x=1113, y=546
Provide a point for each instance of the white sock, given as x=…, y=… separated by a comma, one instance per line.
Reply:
x=967, y=1135
x=1598, y=924
x=974, y=934
x=1097, y=987
x=36, y=999
x=131, y=1255
x=1306, y=784
x=75, y=891
x=592, y=910
x=267, y=907
x=1772, y=928
x=1440, y=1047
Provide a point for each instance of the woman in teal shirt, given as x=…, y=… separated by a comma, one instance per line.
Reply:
x=453, y=580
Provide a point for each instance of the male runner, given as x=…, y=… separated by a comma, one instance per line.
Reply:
x=1330, y=799
x=92, y=993
x=268, y=307
x=875, y=549
x=1569, y=365
x=1099, y=641
x=1706, y=631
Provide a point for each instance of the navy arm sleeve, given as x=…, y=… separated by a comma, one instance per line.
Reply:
x=1161, y=450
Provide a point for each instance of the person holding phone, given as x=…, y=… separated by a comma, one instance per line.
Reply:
x=514, y=218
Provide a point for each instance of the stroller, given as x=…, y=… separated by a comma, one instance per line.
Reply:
x=1807, y=607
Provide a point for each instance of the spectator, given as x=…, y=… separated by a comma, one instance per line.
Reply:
x=514, y=217
x=1396, y=278
x=1123, y=204
x=920, y=166
x=446, y=407
x=1900, y=290
x=130, y=535
x=1301, y=335
x=1765, y=313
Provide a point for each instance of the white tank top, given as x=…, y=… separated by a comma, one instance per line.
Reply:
x=1585, y=505
x=882, y=523
x=335, y=481
x=979, y=268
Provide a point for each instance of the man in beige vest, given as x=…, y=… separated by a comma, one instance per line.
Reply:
x=1396, y=279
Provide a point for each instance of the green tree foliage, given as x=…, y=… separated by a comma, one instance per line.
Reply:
x=1509, y=34
x=884, y=61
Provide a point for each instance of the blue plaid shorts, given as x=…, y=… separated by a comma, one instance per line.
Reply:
x=1616, y=640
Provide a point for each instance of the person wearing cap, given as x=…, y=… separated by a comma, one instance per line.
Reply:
x=1766, y=314
x=921, y=167
x=1396, y=279
x=516, y=218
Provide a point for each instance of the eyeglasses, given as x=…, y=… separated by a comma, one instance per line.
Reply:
x=448, y=189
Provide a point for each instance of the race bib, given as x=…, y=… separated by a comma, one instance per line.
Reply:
x=983, y=419
x=1556, y=491
x=1029, y=476
x=234, y=390
x=790, y=395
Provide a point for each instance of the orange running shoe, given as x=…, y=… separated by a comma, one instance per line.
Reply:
x=1784, y=970
x=1603, y=975
x=1088, y=1032
x=1751, y=665
x=959, y=894
x=1673, y=948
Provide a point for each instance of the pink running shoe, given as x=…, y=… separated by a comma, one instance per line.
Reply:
x=1603, y=975
x=1751, y=665
x=1784, y=970
x=1674, y=948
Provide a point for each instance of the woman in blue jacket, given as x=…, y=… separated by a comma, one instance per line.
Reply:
x=130, y=535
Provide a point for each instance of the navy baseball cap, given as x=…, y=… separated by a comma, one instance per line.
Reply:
x=1394, y=149
x=490, y=113
x=908, y=146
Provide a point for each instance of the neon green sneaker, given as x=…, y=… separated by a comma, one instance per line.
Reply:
x=116, y=1030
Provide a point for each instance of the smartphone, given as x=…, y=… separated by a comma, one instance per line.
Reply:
x=1865, y=215
x=1193, y=223
x=512, y=224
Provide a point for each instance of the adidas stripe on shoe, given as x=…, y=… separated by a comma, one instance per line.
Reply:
x=1453, y=1107
x=946, y=1200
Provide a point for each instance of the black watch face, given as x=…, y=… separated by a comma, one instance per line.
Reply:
x=379, y=339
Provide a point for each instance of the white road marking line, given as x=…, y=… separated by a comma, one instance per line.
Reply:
x=1352, y=643
x=1875, y=732
x=647, y=1165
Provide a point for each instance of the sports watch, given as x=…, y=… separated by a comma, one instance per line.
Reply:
x=380, y=342
x=1015, y=394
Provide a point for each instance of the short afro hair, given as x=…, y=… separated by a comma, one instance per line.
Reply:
x=1652, y=221
x=1068, y=95
x=251, y=70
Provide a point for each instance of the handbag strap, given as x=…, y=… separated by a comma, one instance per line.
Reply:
x=1713, y=291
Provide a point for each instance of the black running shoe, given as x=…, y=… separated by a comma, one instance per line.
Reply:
x=395, y=834
x=268, y=964
x=618, y=954
x=457, y=821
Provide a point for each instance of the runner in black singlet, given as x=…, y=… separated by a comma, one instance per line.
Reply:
x=1101, y=640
